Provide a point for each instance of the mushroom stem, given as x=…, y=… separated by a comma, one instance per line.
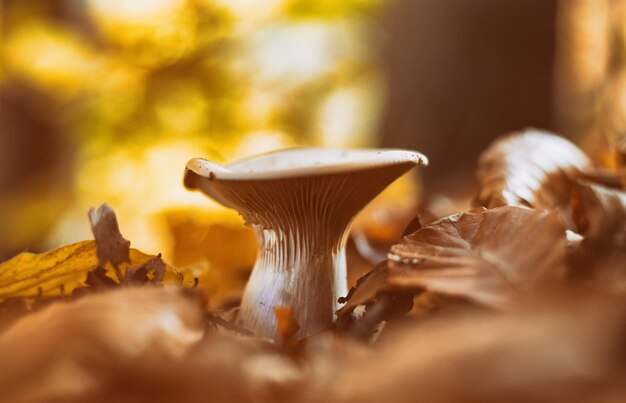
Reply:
x=301, y=265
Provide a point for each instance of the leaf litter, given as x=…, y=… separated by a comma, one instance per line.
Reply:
x=520, y=299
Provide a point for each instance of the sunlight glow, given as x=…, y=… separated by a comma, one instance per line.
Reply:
x=50, y=57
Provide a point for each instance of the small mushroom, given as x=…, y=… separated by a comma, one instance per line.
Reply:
x=300, y=202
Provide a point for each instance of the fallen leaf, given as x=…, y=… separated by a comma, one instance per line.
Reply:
x=600, y=213
x=105, y=262
x=112, y=246
x=29, y=274
x=602, y=176
x=532, y=168
x=151, y=271
x=224, y=323
x=217, y=369
x=366, y=321
x=600, y=257
x=70, y=348
x=621, y=160
x=569, y=348
x=97, y=279
x=63, y=270
x=491, y=257
x=153, y=268
x=138, y=344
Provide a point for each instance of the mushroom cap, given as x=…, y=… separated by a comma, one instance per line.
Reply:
x=303, y=162
x=292, y=172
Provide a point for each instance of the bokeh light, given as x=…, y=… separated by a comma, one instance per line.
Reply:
x=133, y=90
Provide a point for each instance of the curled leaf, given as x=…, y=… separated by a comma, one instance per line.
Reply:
x=600, y=214
x=602, y=176
x=112, y=246
x=491, y=257
x=152, y=271
x=532, y=168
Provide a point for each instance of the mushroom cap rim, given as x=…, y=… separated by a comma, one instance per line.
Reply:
x=378, y=158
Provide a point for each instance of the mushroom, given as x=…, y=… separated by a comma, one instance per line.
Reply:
x=300, y=203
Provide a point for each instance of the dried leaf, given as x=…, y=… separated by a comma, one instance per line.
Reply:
x=95, y=264
x=152, y=271
x=155, y=269
x=600, y=213
x=224, y=323
x=217, y=369
x=621, y=160
x=69, y=348
x=366, y=321
x=138, y=344
x=97, y=279
x=112, y=246
x=61, y=271
x=568, y=349
x=529, y=169
x=491, y=257
x=29, y=274
x=602, y=177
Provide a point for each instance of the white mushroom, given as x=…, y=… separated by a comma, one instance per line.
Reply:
x=300, y=203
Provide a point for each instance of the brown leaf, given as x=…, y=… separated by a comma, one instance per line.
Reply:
x=602, y=176
x=224, y=322
x=600, y=214
x=140, y=344
x=97, y=279
x=151, y=271
x=69, y=348
x=367, y=322
x=129, y=265
x=112, y=246
x=156, y=270
x=491, y=257
x=567, y=349
x=621, y=160
x=529, y=169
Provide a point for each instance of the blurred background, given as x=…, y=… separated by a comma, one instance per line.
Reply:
x=106, y=100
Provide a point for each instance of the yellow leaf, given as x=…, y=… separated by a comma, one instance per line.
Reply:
x=62, y=270
x=29, y=274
